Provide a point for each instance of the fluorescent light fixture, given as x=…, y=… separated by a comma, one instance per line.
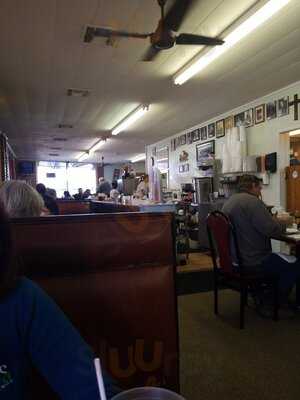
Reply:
x=139, y=157
x=295, y=133
x=96, y=146
x=83, y=156
x=130, y=119
x=246, y=27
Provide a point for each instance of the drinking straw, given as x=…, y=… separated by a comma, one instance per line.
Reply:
x=100, y=379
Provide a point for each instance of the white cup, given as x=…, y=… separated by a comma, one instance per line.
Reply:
x=148, y=393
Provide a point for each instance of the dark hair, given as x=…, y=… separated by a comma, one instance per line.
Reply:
x=246, y=182
x=7, y=270
x=114, y=184
x=41, y=188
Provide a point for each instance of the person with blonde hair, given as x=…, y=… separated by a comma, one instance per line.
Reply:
x=21, y=199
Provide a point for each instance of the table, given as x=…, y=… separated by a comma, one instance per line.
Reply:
x=293, y=239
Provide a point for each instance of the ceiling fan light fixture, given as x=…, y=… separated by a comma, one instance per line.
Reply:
x=245, y=28
x=139, y=157
x=130, y=119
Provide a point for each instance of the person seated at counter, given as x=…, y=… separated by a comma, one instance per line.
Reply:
x=21, y=200
x=67, y=195
x=49, y=201
x=114, y=193
x=79, y=194
x=35, y=333
x=51, y=192
x=255, y=226
x=104, y=186
x=86, y=194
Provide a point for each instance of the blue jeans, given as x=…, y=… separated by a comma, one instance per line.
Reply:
x=288, y=273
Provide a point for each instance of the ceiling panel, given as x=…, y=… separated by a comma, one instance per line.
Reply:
x=44, y=55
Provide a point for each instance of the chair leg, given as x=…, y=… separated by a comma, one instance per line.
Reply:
x=276, y=300
x=243, y=296
x=216, y=304
x=246, y=295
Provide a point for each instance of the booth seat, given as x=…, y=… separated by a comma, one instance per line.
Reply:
x=114, y=277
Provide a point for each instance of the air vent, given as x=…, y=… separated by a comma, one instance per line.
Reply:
x=60, y=139
x=55, y=148
x=53, y=154
x=78, y=92
x=66, y=126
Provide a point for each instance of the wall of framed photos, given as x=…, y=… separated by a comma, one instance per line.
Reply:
x=264, y=118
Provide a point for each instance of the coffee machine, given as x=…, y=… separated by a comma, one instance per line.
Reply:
x=203, y=189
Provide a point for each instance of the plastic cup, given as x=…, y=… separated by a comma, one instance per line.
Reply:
x=148, y=393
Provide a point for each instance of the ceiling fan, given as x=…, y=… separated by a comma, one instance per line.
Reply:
x=164, y=36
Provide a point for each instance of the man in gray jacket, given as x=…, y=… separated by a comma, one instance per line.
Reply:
x=255, y=227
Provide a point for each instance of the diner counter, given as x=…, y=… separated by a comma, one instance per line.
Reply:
x=158, y=207
x=111, y=207
x=136, y=205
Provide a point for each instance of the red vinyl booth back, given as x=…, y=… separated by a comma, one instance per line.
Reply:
x=114, y=277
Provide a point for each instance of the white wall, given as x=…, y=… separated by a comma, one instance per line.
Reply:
x=262, y=138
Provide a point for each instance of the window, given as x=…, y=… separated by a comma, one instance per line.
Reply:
x=63, y=176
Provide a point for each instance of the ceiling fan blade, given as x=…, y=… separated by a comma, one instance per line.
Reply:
x=92, y=32
x=150, y=54
x=176, y=14
x=187, y=38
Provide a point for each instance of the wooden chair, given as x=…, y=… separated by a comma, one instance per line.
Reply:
x=223, y=243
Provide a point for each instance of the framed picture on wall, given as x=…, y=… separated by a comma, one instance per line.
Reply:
x=196, y=135
x=203, y=133
x=183, y=139
x=211, y=130
x=239, y=119
x=259, y=114
x=178, y=142
x=220, y=128
x=229, y=122
x=283, y=106
x=186, y=167
x=205, y=150
x=189, y=137
x=173, y=144
x=271, y=110
x=248, y=118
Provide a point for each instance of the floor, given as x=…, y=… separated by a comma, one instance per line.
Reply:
x=196, y=262
x=220, y=361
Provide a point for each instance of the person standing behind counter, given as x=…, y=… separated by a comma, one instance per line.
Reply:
x=114, y=193
x=255, y=227
x=104, y=186
x=142, y=189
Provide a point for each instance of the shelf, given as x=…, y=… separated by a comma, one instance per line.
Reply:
x=238, y=173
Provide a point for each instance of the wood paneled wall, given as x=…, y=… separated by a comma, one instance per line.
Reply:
x=293, y=188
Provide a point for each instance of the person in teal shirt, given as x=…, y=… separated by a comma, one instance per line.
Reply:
x=34, y=332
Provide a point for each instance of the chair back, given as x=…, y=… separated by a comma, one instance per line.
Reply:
x=223, y=242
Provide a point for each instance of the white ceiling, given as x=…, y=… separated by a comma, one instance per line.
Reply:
x=43, y=54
